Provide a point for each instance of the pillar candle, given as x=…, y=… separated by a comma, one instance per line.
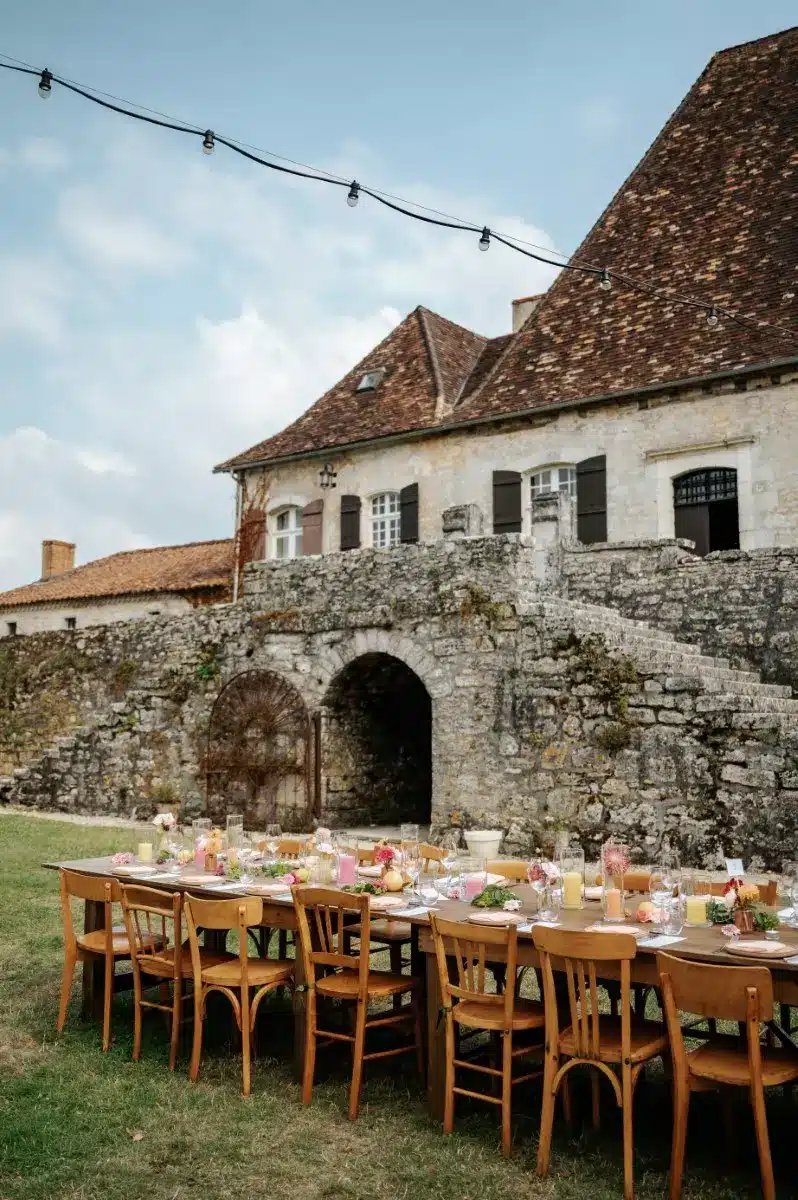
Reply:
x=144, y=852
x=696, y=910
x=614, y=906
x=346, y=869
x=572, y=889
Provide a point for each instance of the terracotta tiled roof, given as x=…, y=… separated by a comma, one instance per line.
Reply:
x=425, y=359
x=196, y=567
x=711, y=212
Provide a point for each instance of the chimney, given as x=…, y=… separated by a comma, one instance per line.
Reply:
x=57, y=557
x=524, y=308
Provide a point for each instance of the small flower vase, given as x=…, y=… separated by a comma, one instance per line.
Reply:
x=744, y=920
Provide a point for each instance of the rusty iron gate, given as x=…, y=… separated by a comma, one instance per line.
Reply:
x=261, y=753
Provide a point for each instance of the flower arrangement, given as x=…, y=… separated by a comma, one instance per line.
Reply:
x=123, y=859
x=385, y=855
x=740, y=909
x=544, y=873
x=164, y=821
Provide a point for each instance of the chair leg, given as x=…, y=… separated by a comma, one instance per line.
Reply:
x=196, y=1048
x=681, y=1112
x=395, y=958
x=550, y=1068
x=763, y=1142
x=448, y=1105
x=310, y=1049
x=177, y=1016
x=246, y=1075
x=507, y=1093
x=357, y=1061
x=66, y=989
x=137, y=1015
x=627, y=1093
x=108, y=991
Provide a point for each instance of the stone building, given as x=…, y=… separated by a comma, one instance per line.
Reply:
x=658, y=419
x=133, y=583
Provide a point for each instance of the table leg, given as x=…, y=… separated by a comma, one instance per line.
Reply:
x=436, y=1042
x=93, y=965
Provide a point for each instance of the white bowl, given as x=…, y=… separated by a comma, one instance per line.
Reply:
x=484, y=843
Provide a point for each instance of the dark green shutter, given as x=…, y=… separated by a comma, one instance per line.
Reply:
x=506, y=502
x=408, y=513
x=350, y=522
x=591, y=499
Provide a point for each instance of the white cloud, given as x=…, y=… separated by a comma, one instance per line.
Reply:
x=33, y=292
x=598, y=116
x=43, y=154
x=116, y=238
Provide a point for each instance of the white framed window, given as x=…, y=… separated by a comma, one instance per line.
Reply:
x=385, y=520
x=286, y=537
x=553, y=479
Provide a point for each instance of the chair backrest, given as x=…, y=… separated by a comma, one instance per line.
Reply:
x=472, y=947
x=363, y=854
x=511, y=868
x=154, y=921
x=238, y=913
x=431, y=856
x=717, y=992
x=633, y=881
x=768, y=892
x=578, y=952
x=98, y=888
x=323, y=915
x=291, y=846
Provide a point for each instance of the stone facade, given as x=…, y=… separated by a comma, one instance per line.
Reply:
x=527, y=710
x=40, y=618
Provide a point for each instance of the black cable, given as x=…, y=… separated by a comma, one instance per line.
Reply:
x=276, y=166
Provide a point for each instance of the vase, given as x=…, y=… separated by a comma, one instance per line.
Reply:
x=744, y=920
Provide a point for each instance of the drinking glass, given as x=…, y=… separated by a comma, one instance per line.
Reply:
x=673, y=913
x=661, y=886
x=427, y=887
x=535, y=874
x=273, y=836
x=550, y=903
x=235, y=827
x=408, y=832
x=411, y=861
x=450, y=844
x=473, y=877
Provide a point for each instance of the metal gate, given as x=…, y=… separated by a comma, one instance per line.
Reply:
x=260, y=753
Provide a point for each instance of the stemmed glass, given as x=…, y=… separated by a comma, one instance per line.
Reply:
x=661, y=886
x=411, y=860
x=450, y=844
x=273, y=836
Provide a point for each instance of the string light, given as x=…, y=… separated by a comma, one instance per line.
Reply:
x=210, y=140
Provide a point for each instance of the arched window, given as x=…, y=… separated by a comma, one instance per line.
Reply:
x=286, y=533
x=705, y=509
x=385, y=520
x=553, y=479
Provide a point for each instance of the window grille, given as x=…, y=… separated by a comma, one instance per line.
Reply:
x=702, y=487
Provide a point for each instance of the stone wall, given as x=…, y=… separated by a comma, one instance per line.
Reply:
x=41, y=618
x=734, y=604
x=543, y=716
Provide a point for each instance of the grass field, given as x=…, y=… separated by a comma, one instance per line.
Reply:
x=79, y=1125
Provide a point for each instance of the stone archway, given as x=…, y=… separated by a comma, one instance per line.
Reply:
x=377, y=743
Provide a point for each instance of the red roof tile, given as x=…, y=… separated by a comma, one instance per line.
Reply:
x=192, y=568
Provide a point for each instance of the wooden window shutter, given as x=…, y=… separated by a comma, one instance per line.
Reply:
x=350, y=522
x=591, y=499
x=506, y=502
x=312, y=527
x=408, y=513
x=252, y=537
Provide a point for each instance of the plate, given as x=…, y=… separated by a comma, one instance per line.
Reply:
x=384, y=903
x=198, y=877
x=635, y=930
x=268, y=888
x=593, y=893
x=497, y=917
x=370, y=872
x=760, y=949
x=134, y=869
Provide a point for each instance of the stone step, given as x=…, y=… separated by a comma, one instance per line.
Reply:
x=720, y=701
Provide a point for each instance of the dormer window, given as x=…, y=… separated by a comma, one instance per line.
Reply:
x=369, y=381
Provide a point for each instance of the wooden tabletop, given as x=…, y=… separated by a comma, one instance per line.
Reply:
x=705, y=944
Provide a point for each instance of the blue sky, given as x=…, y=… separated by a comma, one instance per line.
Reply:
x=160, y=309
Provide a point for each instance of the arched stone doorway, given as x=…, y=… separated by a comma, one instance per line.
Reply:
x=258, y=758
x=377, y=756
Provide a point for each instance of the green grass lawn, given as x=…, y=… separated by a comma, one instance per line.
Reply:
x=76, y=1124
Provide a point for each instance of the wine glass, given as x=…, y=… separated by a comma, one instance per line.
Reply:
x=273, y=836
x=450, y=844
x=411, y=861
x=661, y=884
x=536, y=876
x=246, y=850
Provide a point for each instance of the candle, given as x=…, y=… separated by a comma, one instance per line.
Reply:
x=696, y=910
x=144, y=852
x=614, y=906
x=346, y=869
x=572, y=889
x=473, y=886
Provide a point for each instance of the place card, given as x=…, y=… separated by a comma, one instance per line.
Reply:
x=735, y=868
x=659, y=941
x=420, y=911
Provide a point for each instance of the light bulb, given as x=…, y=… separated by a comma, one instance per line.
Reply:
x=605, y=283
x=353, y=194
x=208, y=142
x=46, y=84
x=712, y=318
x=484, y=241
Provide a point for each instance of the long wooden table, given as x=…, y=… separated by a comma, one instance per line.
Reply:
x=702, y=944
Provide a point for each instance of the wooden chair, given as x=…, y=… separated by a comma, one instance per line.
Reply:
x=107, y=945
x=322, y=915
x=595, y=1040
x=768, y=892
x=636, y=882
x=468, y=1004
x=154, y=924
x=235, y=975
x=290, y=847
x=743, y=994
x=514, y=869
x=431, y=858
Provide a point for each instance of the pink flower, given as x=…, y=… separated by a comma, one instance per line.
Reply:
x=165, y=821
x=616, y=860
x=123, y=858
x=289, y=878
x=385, y=855
x=219, y=869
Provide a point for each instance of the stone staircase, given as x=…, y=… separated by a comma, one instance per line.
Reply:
x=657, y=652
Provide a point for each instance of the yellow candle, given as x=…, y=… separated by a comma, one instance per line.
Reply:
x=614, y=904
x=696, y=910
x=144, y=852
x=572, y=889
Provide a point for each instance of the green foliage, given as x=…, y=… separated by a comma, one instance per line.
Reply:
x=764, y=919
x=276, y=869
x=367, y=889
x=493, y=896
x=209, y=667
x=718, y=913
